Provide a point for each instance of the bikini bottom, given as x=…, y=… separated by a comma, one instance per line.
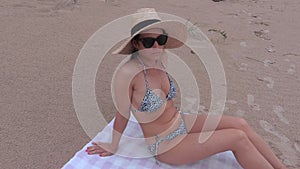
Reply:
x=153, y=148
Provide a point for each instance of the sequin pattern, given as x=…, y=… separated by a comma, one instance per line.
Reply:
x=151, y=101
x=153, y=148
x=172, y=91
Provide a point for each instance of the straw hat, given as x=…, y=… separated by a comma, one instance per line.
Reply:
x=147, y=18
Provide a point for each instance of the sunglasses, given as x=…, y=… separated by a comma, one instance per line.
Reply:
x=148, y=42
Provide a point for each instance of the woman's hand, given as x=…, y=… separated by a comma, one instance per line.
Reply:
x=103, y=149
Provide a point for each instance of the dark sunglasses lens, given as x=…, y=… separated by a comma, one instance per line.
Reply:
x=148, y=42
x=162, y=39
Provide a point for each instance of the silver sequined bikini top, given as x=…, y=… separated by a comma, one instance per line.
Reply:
x=151, y=101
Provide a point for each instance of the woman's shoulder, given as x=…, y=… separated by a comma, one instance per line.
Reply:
x=129, y=68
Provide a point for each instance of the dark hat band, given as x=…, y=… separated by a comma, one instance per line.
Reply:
x=143, y=24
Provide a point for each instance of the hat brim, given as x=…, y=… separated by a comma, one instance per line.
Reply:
x=177, y=35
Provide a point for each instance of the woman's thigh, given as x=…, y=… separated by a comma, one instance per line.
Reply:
x=189, y=149
x=194, y=123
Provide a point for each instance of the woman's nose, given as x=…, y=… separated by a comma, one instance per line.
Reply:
x=155, y=45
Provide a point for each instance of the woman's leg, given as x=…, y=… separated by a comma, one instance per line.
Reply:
x=190, y=150
x=195, y=123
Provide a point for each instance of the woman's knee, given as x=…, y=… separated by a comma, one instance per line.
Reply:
x=241, y=139
x=242, y=124
x=240, y=134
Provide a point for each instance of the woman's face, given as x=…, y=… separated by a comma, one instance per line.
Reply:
x=145, y=48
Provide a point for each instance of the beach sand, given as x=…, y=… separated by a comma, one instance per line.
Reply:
x=41, y=40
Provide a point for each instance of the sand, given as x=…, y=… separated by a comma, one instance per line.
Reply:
x=41, y=40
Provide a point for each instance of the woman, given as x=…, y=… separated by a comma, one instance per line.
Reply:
x=143, y=87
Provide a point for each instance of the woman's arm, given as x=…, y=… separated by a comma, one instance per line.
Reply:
x=120, y=124
x=107, y=149
x=122, y=91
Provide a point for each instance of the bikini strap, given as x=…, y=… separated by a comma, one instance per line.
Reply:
x=172, y=91
x=145, y=74
x=164, y=67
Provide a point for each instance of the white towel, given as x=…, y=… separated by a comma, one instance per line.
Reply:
x=133, y=153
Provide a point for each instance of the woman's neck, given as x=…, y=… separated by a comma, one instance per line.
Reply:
x=150, y=62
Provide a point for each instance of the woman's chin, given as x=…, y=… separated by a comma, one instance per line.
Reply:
x=156, y=55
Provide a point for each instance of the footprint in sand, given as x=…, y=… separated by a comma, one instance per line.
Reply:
x=263, y=34
x=240, y=113
x=225, y=109
x=63, y=4
x=297, y=145
x=270, y=49
x=189, y=104
x=269, y=128
x=288, y=152
x=268, y=62
x=50, y=8
x=292, y=68
x=279, y=111
x=243, y=44
x=268, y=80
x=231, y=101
x=243, y=67
x=251, y=104
x=23, y=5
x=203, y=109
